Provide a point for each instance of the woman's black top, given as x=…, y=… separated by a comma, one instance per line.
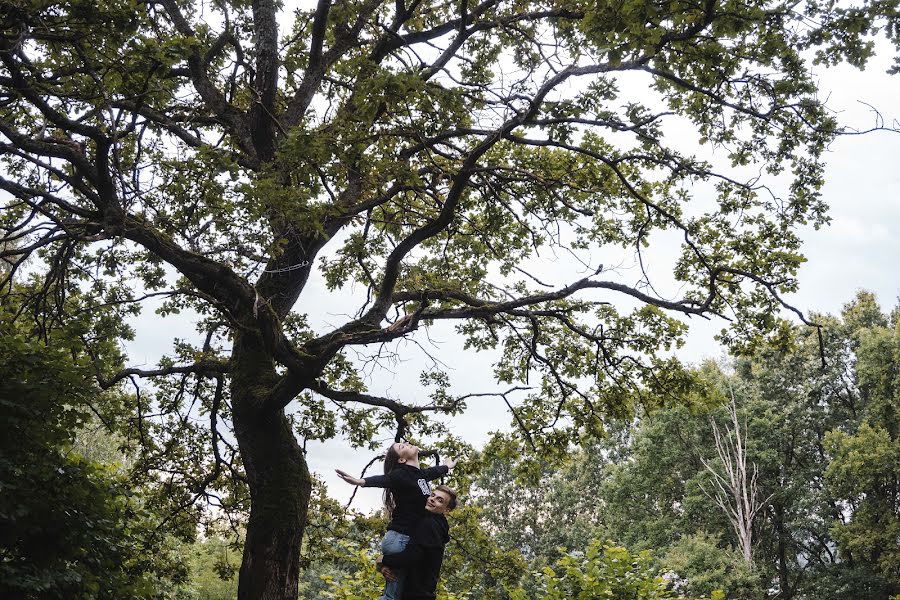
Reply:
x=410, y=488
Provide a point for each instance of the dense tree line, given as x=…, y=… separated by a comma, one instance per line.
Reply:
x=825, y=441
x=73, y=520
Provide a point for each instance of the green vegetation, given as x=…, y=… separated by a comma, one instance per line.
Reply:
x=70, y=527
x=234, y=161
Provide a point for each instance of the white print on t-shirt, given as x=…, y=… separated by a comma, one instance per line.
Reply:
x=426, y=489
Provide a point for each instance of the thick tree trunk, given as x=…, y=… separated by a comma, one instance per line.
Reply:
x=783, y=571
x=279, y=481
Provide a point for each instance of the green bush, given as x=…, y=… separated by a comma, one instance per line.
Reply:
x=69, y=527
x=605, y=571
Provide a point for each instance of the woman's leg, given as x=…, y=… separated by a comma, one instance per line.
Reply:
x=393, y=543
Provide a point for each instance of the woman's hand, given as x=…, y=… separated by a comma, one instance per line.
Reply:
x=350, y=478
x=450, y=463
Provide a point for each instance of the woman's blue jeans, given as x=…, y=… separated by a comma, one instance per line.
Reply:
x=393, y=543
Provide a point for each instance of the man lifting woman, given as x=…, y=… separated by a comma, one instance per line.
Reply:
x=413, y=547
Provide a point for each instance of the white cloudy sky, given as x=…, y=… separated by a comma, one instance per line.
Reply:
x=858, y=250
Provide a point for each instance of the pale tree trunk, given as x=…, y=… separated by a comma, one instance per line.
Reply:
x=735, y=488
x=278, y=478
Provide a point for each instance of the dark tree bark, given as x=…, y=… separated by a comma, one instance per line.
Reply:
x=783, y=571
x=278, y=477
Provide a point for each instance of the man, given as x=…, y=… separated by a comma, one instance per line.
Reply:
x=424, y=553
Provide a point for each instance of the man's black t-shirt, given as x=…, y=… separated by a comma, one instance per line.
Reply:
x=422, y=557
x=410, y=488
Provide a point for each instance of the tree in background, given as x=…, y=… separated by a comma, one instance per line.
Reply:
x=734, y=486
x=209, y=152
x=826, y=462
x=864, y=469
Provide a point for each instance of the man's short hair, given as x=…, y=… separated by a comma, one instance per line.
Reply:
x=450, y=492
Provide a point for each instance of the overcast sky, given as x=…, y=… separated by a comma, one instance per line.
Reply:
x=857, y=251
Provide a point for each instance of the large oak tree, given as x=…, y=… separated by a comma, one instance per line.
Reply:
x=218, y=153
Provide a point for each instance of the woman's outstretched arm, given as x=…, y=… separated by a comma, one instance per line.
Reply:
x=350, y=478
x=379, y=481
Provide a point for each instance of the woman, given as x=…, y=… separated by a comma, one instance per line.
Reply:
x=406, y=490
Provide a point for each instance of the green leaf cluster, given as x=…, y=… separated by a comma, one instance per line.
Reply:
x=604, y=570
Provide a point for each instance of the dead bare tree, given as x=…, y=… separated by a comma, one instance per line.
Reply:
x=735, y=488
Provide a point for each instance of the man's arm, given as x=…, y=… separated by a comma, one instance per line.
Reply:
x=426, y=536
x=412, y=554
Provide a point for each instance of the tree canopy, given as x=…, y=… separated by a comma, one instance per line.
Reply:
x=221, y=154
